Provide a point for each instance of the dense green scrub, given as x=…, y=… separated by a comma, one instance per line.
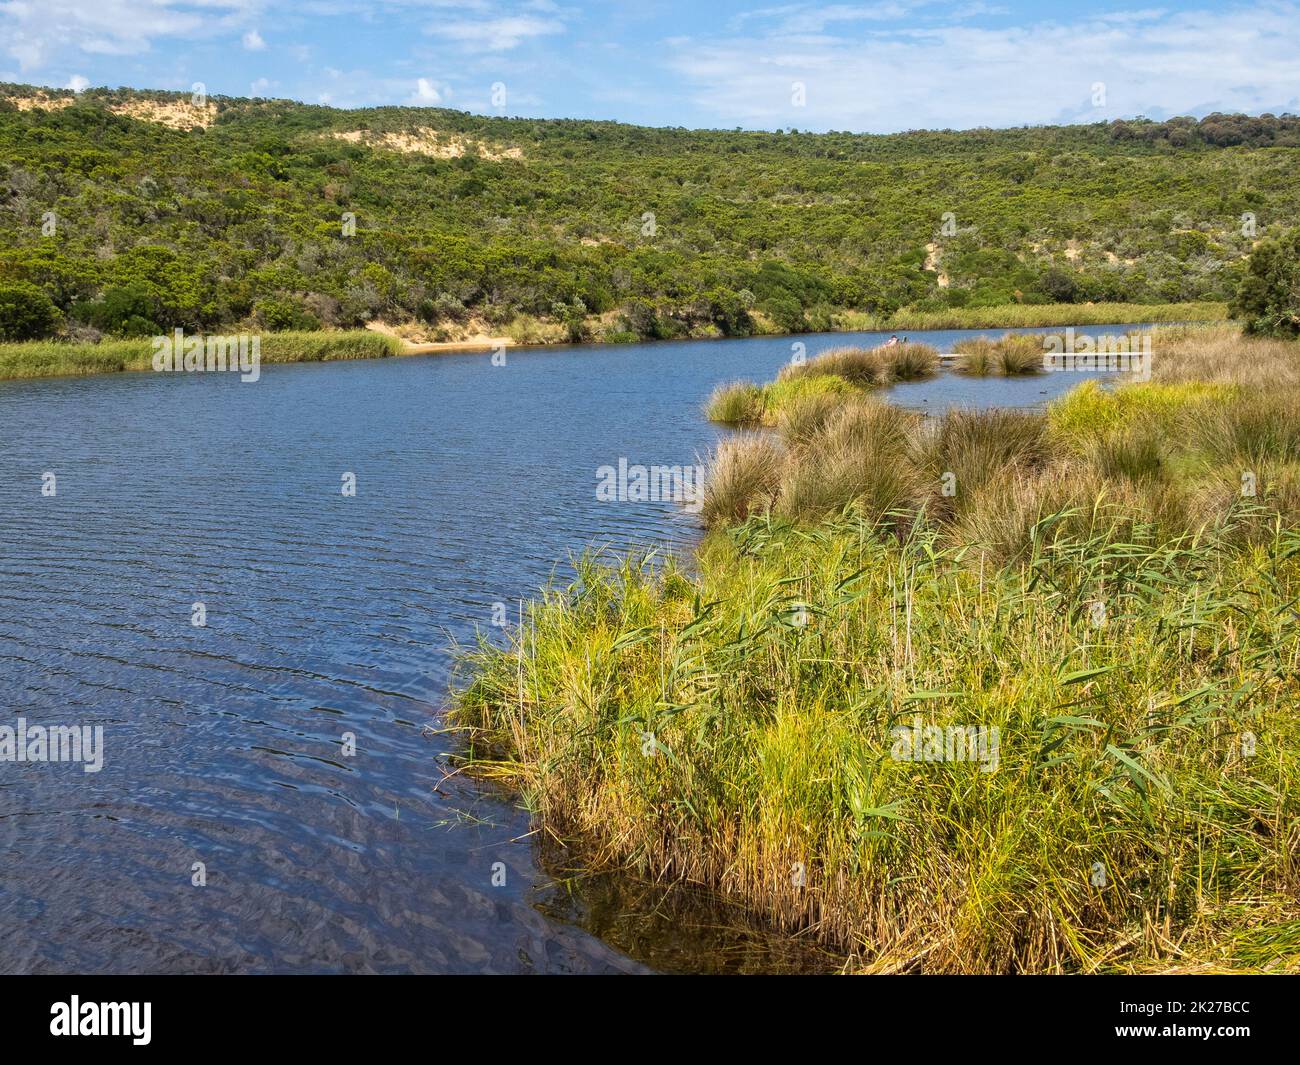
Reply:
x=270, y=215
x=1100, y=599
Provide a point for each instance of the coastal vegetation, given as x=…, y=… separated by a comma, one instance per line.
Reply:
x=839, y=371
x=278, y=216
x=1105, y=588
x=1032, y=316
x=53, y=358
x=1268, y=298
x=1009, y=355
x=1001, y=691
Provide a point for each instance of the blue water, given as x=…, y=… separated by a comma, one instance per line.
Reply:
x=326, y=615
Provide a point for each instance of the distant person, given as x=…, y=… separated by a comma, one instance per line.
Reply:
x=891, y=341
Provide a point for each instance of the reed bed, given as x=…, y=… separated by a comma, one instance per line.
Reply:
x=736, y=731
x=1021, y=315
x=1008, y=356
x=1097, y=591
x=48, y=358
x=843, y=372
x=1163, y=450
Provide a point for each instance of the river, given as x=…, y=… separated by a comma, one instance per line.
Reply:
x=232, y=827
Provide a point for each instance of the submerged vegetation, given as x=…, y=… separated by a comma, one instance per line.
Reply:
x=1103, y=593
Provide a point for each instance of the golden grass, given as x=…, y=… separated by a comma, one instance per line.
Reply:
x=1008, y=356
x=736, y=730
x=1020, y=315
x=45, y=358
x=744, y=476
x=1097, y=592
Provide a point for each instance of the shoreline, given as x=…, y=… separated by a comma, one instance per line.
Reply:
x=38, y=359
x=734, y=723
x=433, y=347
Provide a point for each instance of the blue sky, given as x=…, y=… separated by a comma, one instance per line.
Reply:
x=876, y=67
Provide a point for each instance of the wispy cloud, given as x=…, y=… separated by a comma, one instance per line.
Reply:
x=943, y=73
x=498, y=34
x=36, y=32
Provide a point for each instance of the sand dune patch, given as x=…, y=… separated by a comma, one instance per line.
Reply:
x=426, y=141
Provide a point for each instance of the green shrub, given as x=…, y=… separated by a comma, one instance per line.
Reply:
x=620, y=336
x=26, y=313
x=126, y=310
x=284, y=315
x=786, y=314
x=1268, y=297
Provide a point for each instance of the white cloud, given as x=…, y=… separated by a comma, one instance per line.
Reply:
x=809, y=18
x=253, y=41
x=495, y=34
x=946, y=74
x=34, y=31
x=425, y=92
x=78, y=83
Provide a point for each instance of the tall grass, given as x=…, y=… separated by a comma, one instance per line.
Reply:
x=803, y=419
x=738, y=403
x=1021, y=315
x=843, y=372
x=864, y=367
x=53, y=359
x=910, y=361
x=857, y=455
x=1009, y=355
x=967, y=453
x=742, y=404
x=1223, y=355
x=1088, y=409
x=868, y=367
x=743, y=479
x=979, y=356
x=1162, y=451
x=736, y=727
x=735, y=730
